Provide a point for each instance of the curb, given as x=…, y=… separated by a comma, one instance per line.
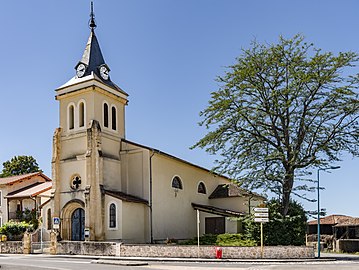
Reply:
x=133, y=260
x=119, y=262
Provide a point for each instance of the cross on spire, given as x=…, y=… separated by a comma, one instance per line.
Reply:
x=92, y=20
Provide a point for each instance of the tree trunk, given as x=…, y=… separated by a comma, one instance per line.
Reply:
x=287, y=190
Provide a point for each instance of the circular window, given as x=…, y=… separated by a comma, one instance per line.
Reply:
x=75, y=182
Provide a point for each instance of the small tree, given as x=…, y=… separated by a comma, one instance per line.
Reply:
x=283, y=109
x=287, y=230
x=19, y=165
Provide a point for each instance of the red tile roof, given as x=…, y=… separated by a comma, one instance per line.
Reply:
x=13, y=179
x=337, y=220
x=30, y=191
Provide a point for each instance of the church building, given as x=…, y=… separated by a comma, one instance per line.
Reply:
x=108, y=188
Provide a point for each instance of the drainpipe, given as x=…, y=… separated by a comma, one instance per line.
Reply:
x=150, y=199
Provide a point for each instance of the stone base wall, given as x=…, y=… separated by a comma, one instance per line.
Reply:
x=271, y=252
x=87, y=248
x=11, y=247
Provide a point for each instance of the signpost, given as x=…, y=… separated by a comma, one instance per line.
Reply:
x=261, y=214
x=56, y=223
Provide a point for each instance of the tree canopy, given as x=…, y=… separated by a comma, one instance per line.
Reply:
x=19, y=165
x=281, y=110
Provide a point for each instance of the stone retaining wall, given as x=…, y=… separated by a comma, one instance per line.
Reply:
x=272, y=252
x=87, y=248
x=11, y=247
x=176, y=251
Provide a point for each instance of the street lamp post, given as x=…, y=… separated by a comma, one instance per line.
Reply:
x=318, y=218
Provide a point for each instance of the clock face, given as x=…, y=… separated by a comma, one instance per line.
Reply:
x=80, y=70
x=104, y=72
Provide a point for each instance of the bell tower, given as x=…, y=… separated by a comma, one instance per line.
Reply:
x=86, y=146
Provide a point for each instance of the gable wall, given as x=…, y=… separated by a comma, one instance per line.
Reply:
x=173, y=214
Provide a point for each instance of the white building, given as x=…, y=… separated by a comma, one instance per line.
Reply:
x=117, y=189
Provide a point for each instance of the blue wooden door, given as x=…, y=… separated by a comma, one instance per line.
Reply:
x=78, y=225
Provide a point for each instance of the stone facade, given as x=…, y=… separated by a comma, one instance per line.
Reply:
x=87, y=248
x=11, y=247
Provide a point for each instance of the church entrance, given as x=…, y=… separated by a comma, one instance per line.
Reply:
x=78, y=225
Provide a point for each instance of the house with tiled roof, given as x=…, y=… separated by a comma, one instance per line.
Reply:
x=22, y=192
x=338, y=226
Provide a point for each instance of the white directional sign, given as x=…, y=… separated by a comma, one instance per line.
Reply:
x=261, y=214
x=261, y=220
x=262, y=209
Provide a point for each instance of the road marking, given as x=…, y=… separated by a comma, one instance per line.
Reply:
x=36, y=266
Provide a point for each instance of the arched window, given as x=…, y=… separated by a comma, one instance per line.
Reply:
x=112, y=219
x=81, y=114
x=105, y=115
x=71, y=113
x=201, y=188
x=114, y=118
x=177, y=183
x=49, y=219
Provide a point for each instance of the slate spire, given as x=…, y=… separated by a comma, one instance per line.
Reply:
x=92, y=66
x=92, y=61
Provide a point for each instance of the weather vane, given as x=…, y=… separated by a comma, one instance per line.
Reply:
x=92, y=20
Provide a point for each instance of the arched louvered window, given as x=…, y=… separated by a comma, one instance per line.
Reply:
x=81, y=114
x=114, y=118
x=177, y=183
x=201, y=188
x=71, y=113
x=105, y=115
x=112, y=219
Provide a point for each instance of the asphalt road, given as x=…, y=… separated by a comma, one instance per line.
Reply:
x=40, y=262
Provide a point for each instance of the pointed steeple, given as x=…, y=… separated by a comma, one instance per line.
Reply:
x=92, y=61
x=92, y=56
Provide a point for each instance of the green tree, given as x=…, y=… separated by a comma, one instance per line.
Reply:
x=287, y=230
x=19, y=165
x=281, y=110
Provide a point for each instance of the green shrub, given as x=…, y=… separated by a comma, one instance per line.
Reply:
x=235, y=240
x=29, y=216
x=227, y=239
x=207, y=239
x=288, y=230
x=14, y=230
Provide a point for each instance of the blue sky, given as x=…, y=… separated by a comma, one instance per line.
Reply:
x=166, y=54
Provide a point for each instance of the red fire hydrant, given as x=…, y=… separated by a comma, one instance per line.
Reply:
x=218, y=253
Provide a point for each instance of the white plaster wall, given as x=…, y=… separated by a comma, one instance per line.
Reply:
x=236, y=203
x=3, y=207
x=173, y=214
x=74, y=145
x=28, y=204
x=135, y=172
x=99, y=97
x=135, y=223
x=113, y=234
x=75, y=97
x=45, y=216
x=112, y=174
x=68, y=169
